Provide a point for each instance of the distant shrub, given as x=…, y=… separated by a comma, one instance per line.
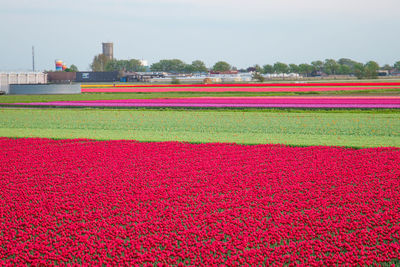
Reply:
x=258, y=77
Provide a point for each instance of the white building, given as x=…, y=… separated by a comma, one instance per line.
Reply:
x=144, y=63
x=7, y=78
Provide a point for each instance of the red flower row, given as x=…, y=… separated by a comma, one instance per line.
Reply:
x=113, y=202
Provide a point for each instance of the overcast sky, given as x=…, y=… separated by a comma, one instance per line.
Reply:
x=240, y=32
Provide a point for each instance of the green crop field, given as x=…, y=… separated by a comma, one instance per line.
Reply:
x=356, y=128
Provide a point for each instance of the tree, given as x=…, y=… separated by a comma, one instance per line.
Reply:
x=344, y=70
x=198, y=66
x=255, y=68
x=132, y=65
x=331, y=67
x=169, y=65
x=268, y=69
x=293, y=68
x=258, y=68
x=258, y=77
x=387, y=67
x=348, y=62
x=188, y=68
x=280, y=67
x=397, y=65
x=99, y=63
x=72, y=68
x=221, y=66
x=359, y=70
x=371, y=69
x=135, y=65
x=318, y=65
x=306, y=69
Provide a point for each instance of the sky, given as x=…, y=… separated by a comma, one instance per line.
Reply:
x=243, y=33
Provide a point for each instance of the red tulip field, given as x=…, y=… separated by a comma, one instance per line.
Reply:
x=241, y=87
x=170, y=203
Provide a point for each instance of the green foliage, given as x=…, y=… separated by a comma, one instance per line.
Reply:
x=318, y=65
x=359, y=70
x=221, y=66
x=258, y=68
x=397, y=65
x=125, y=65
x=348, y=62
x=293, y=68
x=371, y=69
x=198, y=66
x=306, y=69
x=169, y=65
x=99, y=63
x=258, y=77
x=344, y=69
x=343, y=66
x=331, y=67
x=280, y=67
x=296, y=128
x=72, y=68
x=268, y=69
x=178, y=66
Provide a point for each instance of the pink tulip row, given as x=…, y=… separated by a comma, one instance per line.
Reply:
x=214, y=88
x=258, y=102
x=127, y=203
x=283, y=84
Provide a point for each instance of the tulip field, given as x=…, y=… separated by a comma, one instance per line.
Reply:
x=235, y=102
x=242, y=87
x=86, y=202
x=285, y=174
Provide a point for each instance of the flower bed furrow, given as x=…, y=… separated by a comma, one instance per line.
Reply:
x=125, y=202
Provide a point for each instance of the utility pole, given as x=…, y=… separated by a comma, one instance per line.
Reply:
x=33, y=58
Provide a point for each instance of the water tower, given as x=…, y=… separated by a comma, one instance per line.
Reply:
x=59, y=65
x=108, y=50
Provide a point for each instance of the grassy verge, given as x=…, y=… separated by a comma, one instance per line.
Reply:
x=356, y=129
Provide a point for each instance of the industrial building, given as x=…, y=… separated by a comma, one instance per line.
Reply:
x=21, y=78
x=61, y=77
x=33, y=83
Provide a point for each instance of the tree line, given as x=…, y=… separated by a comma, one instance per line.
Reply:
x=343, y=66
x=102, y=63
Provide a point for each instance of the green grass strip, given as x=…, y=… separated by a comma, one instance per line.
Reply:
x=351, y=129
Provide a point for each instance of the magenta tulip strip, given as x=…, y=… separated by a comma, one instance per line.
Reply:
x=125, y=202
x=238, y=102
